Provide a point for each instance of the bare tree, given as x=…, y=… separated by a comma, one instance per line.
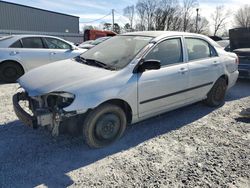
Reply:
x=188, y=6
x=242, y=17
x=107, y=26
x=219, y=18
x=165, y=14
x=129, y=12
x=141, y=16
x=202, y=25
x=147, y=7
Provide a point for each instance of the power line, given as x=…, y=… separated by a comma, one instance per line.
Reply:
x=97, y=19
x=122, y=16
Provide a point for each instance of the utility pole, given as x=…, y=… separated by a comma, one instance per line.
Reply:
x=197, y=19
x=113, y=19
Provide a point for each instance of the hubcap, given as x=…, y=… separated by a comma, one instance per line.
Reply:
x=10, y=72
x=107, y=126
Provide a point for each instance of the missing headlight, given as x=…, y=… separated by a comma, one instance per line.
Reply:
x=59, y=100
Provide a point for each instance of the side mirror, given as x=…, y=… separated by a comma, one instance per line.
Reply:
x=150, y=64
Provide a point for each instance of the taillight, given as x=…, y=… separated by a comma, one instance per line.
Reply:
x=237, y=60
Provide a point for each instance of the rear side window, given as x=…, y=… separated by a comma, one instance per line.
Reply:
x=199, y=49
x=16, y=44
x=53, y=43
x=32, y=42
x=167, y=52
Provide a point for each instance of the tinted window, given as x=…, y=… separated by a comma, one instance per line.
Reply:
x=16, y=44
x=56, y=44
x=167, y=52
x=199, y=49
x=32, y=42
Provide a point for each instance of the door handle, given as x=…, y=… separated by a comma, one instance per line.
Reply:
x=52, y=53
x=183, y=70
x=14, y=53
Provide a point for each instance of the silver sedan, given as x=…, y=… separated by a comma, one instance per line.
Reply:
x=124, y=80
x=21, y=53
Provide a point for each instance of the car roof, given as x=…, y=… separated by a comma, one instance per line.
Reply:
x=28, y=35
x=158, y=35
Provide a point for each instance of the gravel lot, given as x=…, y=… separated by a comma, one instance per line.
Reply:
x=193, y=146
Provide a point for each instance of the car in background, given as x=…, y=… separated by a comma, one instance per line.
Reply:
x=244, y=62
x=86, y=42
x=91, y=44
x=93, y=34
x=225, y=44
x=124, y=80
x=21, y=53
x=240, y=44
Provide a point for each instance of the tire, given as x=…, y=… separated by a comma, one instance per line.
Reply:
x=104, y=125
x=10, y=72
x=216, y=95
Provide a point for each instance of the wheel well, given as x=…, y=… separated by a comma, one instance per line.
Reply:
x=14, y=62
x=225, y=77
x=124, y=105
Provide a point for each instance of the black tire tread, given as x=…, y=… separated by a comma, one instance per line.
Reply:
x=92, y=115
x=221, y=82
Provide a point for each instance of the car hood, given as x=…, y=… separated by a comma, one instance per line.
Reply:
x=60, y=76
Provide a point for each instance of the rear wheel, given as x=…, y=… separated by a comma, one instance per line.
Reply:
x=104, y=125
x=10, y=71
x=216, y=95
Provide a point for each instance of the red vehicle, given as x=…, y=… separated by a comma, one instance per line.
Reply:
x=91, y=34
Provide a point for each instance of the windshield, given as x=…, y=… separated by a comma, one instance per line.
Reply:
x=118, y=51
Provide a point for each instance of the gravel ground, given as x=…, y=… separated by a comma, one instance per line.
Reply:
x=195, y=146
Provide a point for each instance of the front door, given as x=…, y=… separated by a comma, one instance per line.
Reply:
x=59, y=50
x=161, y=89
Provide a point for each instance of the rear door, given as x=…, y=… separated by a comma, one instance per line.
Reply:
x=161, y=89
x=30, y=51
x=59, y=50
x=204, y=67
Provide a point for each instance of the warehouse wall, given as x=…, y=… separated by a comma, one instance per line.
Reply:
x=24, y=18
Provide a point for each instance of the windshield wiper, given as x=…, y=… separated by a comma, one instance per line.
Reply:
x=80, y=59
x=94, y=62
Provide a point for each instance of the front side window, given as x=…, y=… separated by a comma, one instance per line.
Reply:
x=167, y=52
x=53, y=43
x=32, y=42
x=199, y=49
x=118, y=51
x=16, y=44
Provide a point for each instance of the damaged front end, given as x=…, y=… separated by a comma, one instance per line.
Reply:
x=46, y=110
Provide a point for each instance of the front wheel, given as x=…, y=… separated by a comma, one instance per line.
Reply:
x=104, y=125
x=216, y=95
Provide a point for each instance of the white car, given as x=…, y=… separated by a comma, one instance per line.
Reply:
x=21, y=53
x=124, y=80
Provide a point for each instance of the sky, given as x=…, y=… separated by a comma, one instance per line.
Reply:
x=90, y=10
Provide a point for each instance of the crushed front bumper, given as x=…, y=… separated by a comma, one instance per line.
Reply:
x=22, y=115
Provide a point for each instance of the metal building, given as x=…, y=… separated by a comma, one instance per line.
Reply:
x=21, y=19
